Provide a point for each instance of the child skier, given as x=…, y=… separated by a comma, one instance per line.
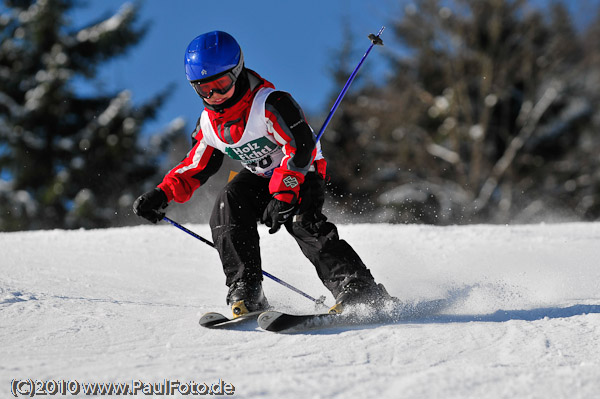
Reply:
x=282, y=183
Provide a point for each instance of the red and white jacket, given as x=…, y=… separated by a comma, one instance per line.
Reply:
x=265, y=130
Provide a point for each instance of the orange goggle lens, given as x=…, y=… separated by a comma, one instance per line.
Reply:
x=220, y=85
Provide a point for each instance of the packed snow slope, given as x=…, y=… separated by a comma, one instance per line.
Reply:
x=122, y=305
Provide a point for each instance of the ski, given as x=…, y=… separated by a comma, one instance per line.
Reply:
x=281, y=322
x=219, y=320
x=275, y=321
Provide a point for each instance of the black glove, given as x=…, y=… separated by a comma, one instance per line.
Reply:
x=151, y=204
x=278, y=213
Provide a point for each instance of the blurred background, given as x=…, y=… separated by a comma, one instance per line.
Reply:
x=474, y=111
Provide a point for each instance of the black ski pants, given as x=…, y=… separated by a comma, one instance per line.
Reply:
x=240, y=206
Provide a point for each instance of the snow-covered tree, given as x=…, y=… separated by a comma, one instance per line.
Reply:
x=487, y=116
x=67, y=160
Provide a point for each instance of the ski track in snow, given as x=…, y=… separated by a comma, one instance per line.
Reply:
x=123, y=304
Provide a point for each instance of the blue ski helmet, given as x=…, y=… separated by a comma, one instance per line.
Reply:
x=212, y=54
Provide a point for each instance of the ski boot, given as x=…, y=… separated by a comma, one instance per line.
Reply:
x=358, y=292
x=245, y=297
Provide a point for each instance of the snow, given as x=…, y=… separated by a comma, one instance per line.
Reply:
x=122, y=305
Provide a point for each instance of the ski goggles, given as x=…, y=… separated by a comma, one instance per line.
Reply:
x=220, y=85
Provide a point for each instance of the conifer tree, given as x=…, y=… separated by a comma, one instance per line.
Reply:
x=483, y=117
x=68, y=161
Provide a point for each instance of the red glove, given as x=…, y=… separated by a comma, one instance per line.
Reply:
x=285, y=185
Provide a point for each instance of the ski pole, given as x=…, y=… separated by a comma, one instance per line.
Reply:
x=190, y=232
x=320, y=301
x=375, y=39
